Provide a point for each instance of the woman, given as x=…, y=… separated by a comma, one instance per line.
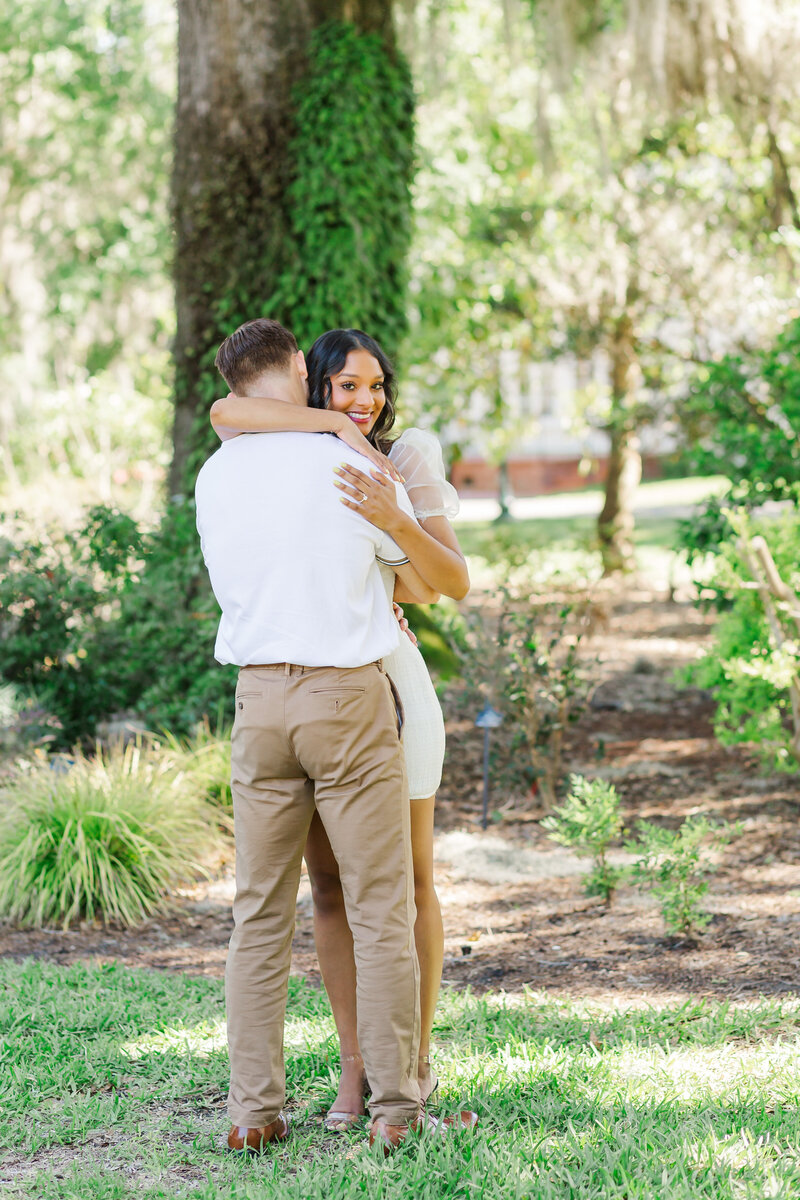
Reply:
x=351, y=386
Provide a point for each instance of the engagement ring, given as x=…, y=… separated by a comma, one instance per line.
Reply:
x=363, y=497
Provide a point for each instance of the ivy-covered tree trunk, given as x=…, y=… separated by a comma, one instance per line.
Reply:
x=616, y=522
x=293, y=153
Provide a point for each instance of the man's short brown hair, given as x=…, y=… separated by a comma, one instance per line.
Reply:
x=255, y=348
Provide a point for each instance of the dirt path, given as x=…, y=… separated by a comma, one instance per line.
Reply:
x=513, y=907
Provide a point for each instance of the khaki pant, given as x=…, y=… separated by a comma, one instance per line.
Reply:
x=323, y=737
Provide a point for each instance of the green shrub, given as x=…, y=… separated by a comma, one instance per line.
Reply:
x=24, y=726
x=743, y=413
x=520, y=653
x=166, y=629
x=674, y=865
x=706, y=532
x=589, y=821
x=111, y=619
x=105, y=837
x=438, y=631
x=56, y=588
x=749, y=673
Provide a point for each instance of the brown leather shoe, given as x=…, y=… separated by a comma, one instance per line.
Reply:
x=461, y=1122
x=393, y=1136
x=253, y=1141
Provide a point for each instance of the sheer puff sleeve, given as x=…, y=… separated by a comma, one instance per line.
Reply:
x=418, y=457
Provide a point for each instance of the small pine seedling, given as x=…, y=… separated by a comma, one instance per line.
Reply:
x=675, y=865
x=588, y=822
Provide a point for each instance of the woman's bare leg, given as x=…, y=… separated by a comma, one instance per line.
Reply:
x=428, y=930
x=336, y=962
x=335, y=948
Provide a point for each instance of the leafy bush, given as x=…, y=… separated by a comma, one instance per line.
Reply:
x=705, y=533
x=24, y=724
x=755, y=659
x=112, y=618
x=521, y=654
x=166, y=628
x=741, y=418
x=54, y=592
x=438, y=630
x=105, y=837
x=675, y=865
x=743, y=414
x=589, y=821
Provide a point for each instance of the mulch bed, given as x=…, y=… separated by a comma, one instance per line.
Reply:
x=657, y=744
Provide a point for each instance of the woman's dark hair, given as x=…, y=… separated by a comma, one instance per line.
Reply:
x=327, y=357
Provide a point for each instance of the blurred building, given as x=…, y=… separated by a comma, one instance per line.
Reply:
x=549, y=438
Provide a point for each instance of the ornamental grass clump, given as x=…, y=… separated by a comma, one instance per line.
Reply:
x=205, y=758
x=105, y=837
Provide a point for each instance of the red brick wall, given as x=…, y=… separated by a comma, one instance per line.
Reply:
x=535, y=476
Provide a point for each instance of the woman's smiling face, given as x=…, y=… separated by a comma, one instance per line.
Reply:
x=358, y=391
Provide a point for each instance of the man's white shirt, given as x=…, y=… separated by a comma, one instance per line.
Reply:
x=294, y=570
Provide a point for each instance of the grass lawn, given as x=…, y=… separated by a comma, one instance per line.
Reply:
x=556, y=530
x=545, y=534
x=113, y=1085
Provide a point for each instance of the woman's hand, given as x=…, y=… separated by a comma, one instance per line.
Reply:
x=373, y=496
x=353, y=437
x=403, y=623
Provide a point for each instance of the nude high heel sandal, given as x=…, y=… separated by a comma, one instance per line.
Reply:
x=337, y=1121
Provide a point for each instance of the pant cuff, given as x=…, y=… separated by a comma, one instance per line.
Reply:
x=393, y=1115
x=250, y=1121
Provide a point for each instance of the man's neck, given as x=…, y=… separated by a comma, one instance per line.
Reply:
x=280, y=386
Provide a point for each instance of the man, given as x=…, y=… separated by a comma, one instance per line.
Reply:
x=305, y=617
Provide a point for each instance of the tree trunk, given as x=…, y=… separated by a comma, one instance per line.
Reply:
x=615, y=523
x=370, y=16
x=504, y=493
x=238, y=62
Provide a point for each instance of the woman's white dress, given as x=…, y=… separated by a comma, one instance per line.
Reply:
x=418, y=457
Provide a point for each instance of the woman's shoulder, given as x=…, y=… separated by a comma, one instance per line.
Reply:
x=419, y=459
x=420, y=444
x=414, y=436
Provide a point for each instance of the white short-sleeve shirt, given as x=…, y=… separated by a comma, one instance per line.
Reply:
x=294, y=570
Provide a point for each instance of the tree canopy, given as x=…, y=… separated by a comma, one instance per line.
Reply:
x=584, y=207
x=589, y=174
x=88, y=94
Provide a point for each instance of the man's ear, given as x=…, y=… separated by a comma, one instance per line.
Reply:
x=300, y=358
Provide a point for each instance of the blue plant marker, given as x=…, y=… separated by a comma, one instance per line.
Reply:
x=487, y=720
